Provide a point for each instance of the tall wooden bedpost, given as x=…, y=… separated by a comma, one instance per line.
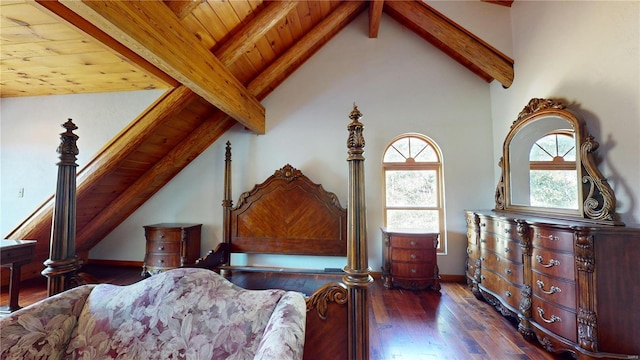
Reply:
x=62, y=265
x=227, y=204
x=357, y=276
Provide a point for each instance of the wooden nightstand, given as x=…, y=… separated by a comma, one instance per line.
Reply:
x=410, y=259
x=170, y=245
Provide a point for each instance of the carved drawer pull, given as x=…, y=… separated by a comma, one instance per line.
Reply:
x=508, y=271
x=161, y=261
x=551, y=320
x=508, y=294
x=469, y=251
x=482, y=258
x=552, y=262
x=412, y=243
x=507, y=249
x=161, y=248
x=483, y=240
x=482, y=277
x=413, y=271
x=483, y=224
x=497, y=258
x=506, y=230
x=552, y=290
x=413, y=256
x=550, y=237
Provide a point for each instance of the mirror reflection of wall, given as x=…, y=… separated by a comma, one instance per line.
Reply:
x=524, y=184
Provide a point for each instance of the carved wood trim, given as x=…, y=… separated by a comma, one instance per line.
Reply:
x=600, y=201
x=319, y=301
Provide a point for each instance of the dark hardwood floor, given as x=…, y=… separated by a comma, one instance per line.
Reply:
x=404, y=325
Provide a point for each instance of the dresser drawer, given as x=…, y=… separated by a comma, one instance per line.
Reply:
x=412, y=255
x=512, y=251
x=410, y=242
x=164, y=234
x=553, y=263
x=510, y=293
x=554, y=318
x=489, y=241
x=505, y=229
x=552, y=239
x=416, y=270
x=554, y=290
x=163, y=247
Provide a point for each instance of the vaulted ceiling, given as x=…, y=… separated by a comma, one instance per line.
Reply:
x=217, y=59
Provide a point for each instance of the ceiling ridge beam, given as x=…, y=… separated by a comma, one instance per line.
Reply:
x=453, y=39
x=153, y=31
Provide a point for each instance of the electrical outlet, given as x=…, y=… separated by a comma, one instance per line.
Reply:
x=21, y=192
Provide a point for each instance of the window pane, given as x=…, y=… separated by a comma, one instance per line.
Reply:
x=410, y=147
x=427, y=154
x=554, y=188
x=392, y=155
x=411, y=188
x=414, y=219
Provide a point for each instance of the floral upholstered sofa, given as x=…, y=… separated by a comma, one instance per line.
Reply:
x=178, y=314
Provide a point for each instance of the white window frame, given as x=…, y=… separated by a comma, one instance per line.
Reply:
x=410, y=165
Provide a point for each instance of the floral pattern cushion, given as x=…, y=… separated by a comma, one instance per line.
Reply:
x=187, y=314
x=42, y=330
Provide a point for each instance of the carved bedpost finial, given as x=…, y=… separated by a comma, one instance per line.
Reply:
x=355, y=142
x=68, y=148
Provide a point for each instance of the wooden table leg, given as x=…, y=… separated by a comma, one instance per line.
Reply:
x=14, y=288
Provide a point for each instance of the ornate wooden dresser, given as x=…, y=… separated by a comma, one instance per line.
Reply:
x=569, y=274
x=575, y=286
x=410, y=259
x=170, y=245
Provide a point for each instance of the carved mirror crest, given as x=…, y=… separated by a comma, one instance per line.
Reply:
x=548, y=167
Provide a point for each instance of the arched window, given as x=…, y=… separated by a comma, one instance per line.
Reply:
x=414, y=190
x=552, y=171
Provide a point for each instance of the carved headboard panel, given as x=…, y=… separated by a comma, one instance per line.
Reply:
x=288, y=214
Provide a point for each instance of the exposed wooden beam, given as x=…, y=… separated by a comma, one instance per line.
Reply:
x=246, y=38
x=304, y=48
x=375, y=13
x=154, y=32
x=453, y=39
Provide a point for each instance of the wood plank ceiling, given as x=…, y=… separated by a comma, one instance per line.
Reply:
x=216, y=58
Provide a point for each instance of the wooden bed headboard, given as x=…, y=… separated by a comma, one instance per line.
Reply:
x=288, y=214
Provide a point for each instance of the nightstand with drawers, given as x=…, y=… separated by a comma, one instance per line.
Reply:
x=410, y=259
x=170, y=245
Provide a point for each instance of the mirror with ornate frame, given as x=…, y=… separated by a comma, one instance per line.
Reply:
x=548, y=167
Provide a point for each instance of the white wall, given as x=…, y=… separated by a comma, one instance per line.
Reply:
x=400, y=83
x=586, y=53
x=29, y=137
